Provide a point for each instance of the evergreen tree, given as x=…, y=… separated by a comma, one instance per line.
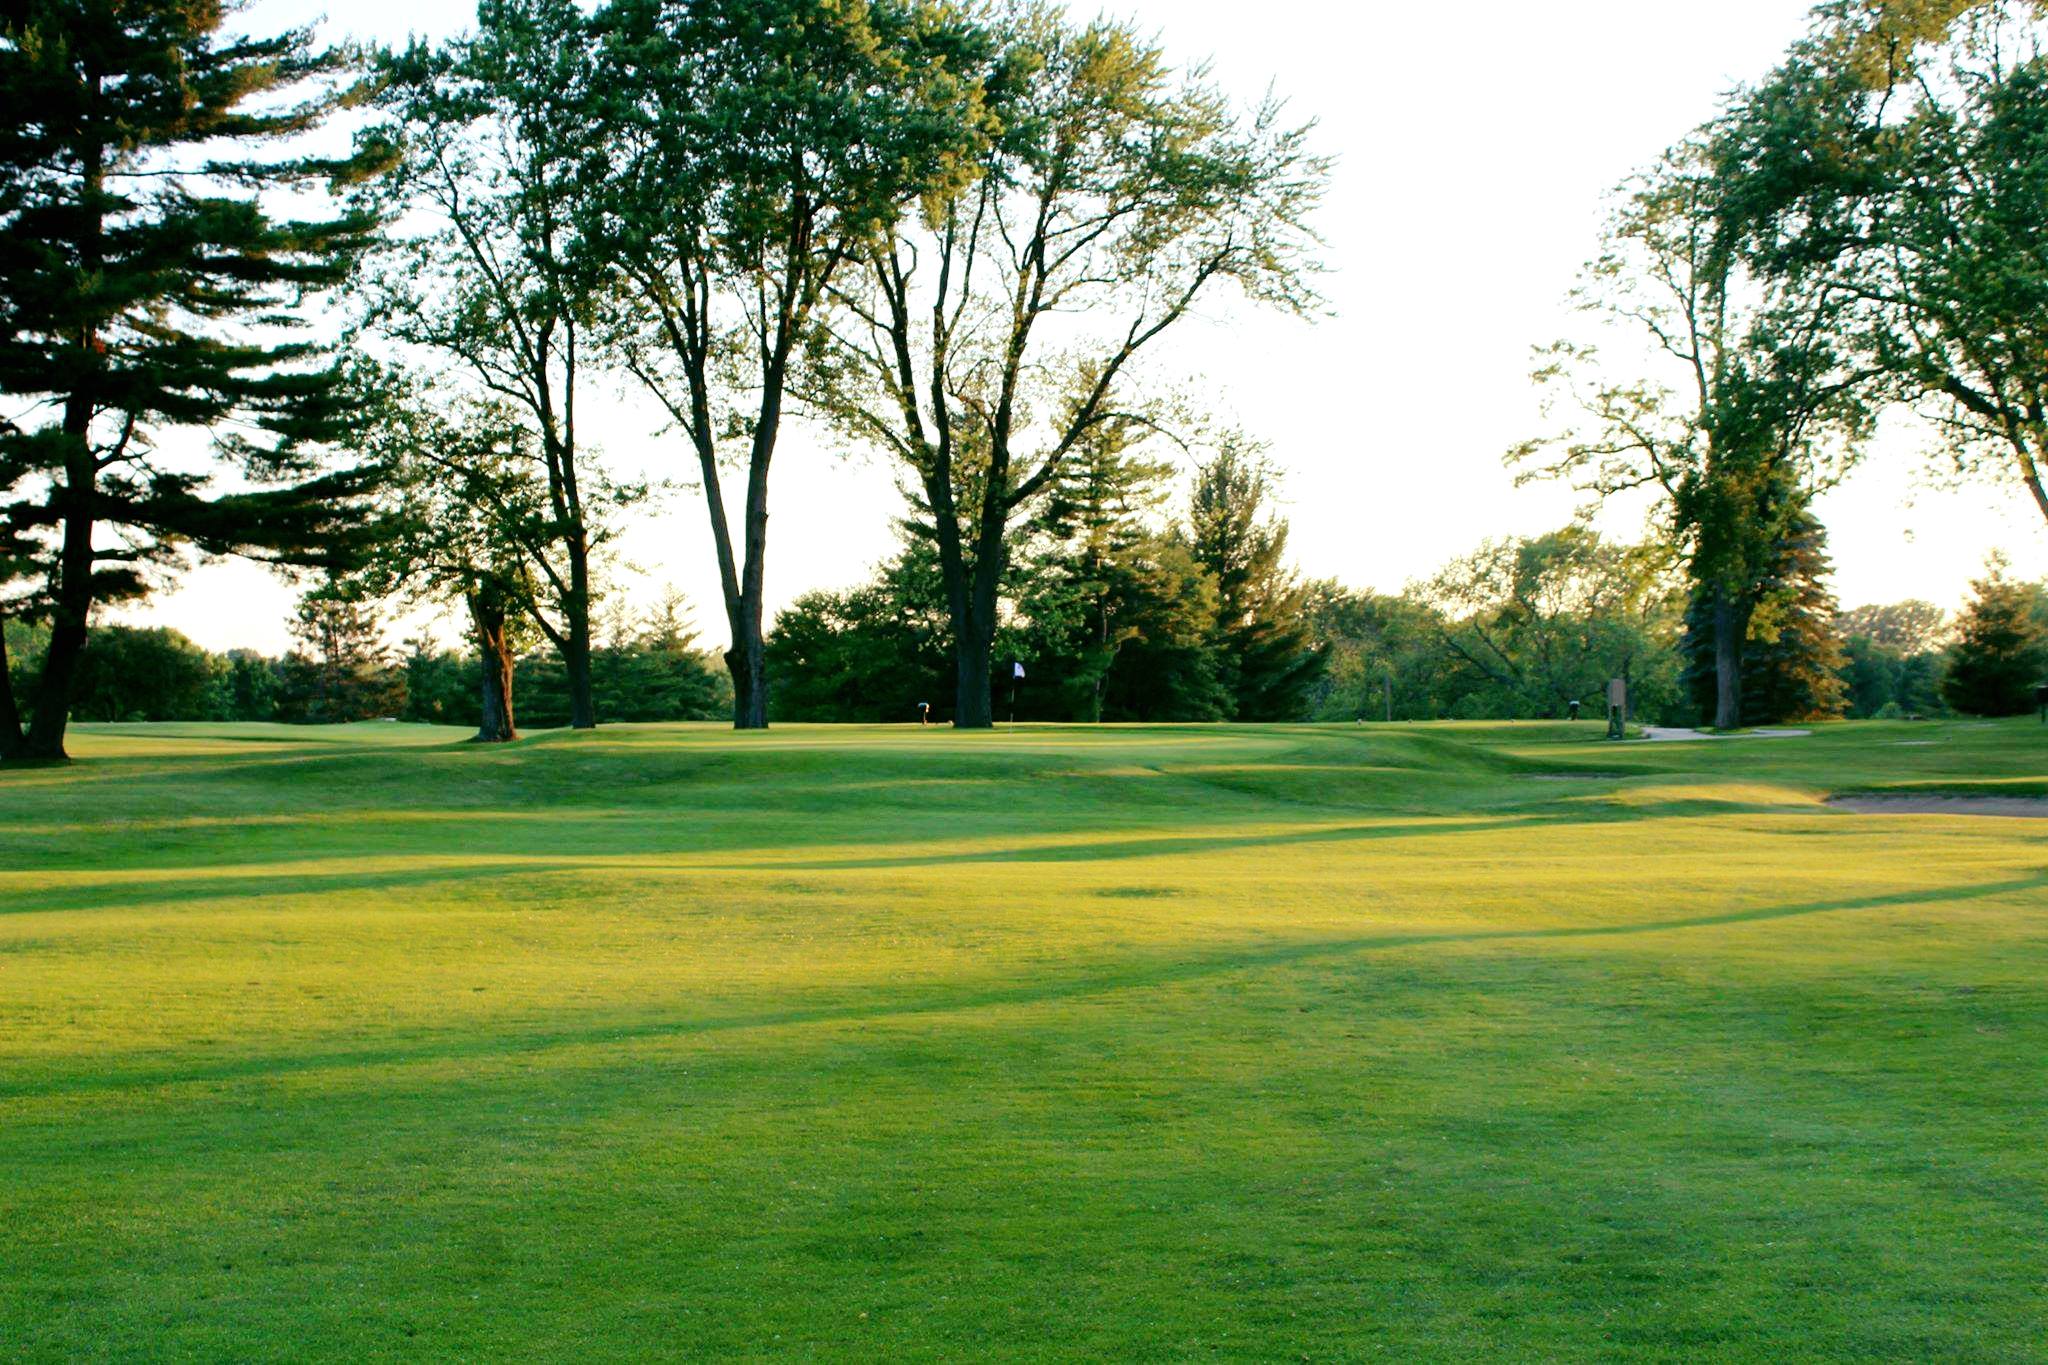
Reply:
x=341, y=670
x=1168, y=670
x=1100, y=578
x=1267, y=661
x=2000, y=654
x=1793, y=655
x=134, y=199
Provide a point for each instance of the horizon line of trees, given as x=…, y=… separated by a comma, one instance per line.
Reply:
x=956, y=236
x=1123, y=612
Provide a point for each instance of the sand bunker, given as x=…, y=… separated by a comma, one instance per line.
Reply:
x=1672, y=734
x=2033, y=807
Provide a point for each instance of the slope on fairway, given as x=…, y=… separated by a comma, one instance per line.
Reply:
x=1321, y=1042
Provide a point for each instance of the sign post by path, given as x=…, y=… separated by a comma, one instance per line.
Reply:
x=1617, y=709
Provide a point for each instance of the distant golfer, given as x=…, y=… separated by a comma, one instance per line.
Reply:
x=924, y=713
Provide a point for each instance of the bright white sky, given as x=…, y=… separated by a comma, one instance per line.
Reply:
x=1475, y=144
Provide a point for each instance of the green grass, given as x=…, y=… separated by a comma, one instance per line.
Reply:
x=1446, y=1042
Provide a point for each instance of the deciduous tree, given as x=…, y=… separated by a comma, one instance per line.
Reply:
x=1753, y=399
x=986, y=337
x=1900, y=155
x=757, y=147
x=502, y=143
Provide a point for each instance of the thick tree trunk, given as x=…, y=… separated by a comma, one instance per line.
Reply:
x=73, y=598
x=973, y=610
x=974, y=640
x=496, y=724
x=747, y=662
x=1731, y=625
x=973, y=701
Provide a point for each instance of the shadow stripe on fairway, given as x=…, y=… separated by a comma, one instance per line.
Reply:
x=1147, y=976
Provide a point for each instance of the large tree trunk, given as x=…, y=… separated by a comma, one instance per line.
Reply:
x=1731, y=625
x=973, y=702
x=974, y=634
x=73, y=598
x=747, y=662
x=496, y=725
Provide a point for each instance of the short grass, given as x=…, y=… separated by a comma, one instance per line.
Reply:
x=1443, y=1042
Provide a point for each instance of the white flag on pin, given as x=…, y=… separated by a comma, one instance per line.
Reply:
x=1016, y=668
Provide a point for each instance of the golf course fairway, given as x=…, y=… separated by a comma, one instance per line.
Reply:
x=1169, y=1043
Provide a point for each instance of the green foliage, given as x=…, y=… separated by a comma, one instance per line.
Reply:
x=648, y=670
x=146, y=673
x=1793, y=658
x=1535, y=624
x=441, y=685
x=2000, y=653
x=341, y=669
x=1926, y=208
x=1893, y=659
x=499, y=277
x=151, y=283
x=1100, y=579
x=1910, y=627
x=1387, y=658
x=992, y=337
x=1758, y=400
x=249, y=686
x=755, y=150
x=1267, y=661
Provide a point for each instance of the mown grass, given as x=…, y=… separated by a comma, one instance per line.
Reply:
x=1156, y=1043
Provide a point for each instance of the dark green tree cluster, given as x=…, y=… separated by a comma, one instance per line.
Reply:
x=1114, y=612
x=2000, y=654
x=340, y=670
x=1894, y=659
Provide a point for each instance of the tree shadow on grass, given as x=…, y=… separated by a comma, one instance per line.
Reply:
x=1150, y=974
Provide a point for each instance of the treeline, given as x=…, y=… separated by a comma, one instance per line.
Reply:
x=949, y=233
x=954, y=237
x=339, y=670
x=1118, y=613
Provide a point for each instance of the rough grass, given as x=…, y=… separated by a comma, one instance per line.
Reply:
x=1144, y=1043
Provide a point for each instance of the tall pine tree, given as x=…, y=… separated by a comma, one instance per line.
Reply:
x=2000, y=655
x=1104, y=580
x=1268, y=662
x=146, y=286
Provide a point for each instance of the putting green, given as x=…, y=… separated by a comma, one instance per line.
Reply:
x=1453, y=1041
